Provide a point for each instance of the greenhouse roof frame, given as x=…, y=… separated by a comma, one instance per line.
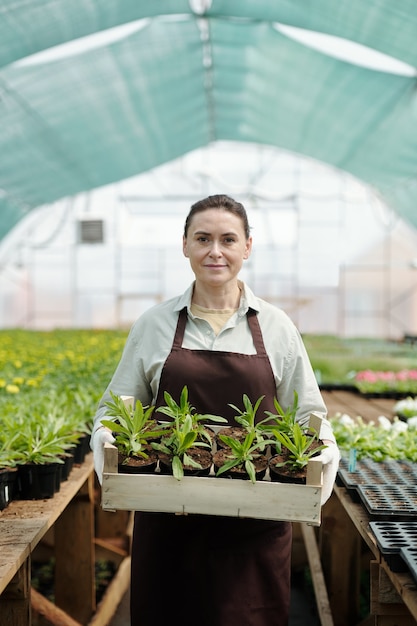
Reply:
x=77, y=114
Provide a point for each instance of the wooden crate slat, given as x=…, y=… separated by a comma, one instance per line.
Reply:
x=212, y=496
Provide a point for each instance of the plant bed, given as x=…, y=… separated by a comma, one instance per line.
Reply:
x=212, y=495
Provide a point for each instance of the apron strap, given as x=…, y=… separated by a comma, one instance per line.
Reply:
x=256, y=332
x=179, y=332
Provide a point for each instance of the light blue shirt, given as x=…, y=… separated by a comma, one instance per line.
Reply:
x=150, y=341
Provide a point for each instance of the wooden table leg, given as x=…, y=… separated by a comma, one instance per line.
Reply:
x=386, y=604
x=15, y=600
x=74, y=556
x=340, y=547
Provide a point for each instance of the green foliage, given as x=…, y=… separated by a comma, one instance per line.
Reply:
x=247, y=417
x=180, y=437
x=133, y=427
x=184, y=431
x=184, y=409
x=372, y=441
x=241, y=454
x=283, y=420
x=299, y=445
x=335, y=359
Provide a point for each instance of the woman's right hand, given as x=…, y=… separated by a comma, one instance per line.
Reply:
x=101, y=436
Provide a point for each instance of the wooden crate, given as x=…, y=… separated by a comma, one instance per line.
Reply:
x=212, y=496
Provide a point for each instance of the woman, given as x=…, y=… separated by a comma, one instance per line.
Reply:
x=222, y=342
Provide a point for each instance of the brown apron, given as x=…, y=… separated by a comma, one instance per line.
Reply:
x=203, y=569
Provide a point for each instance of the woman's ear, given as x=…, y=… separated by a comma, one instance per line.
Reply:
x=248, y=249
x=184, y=246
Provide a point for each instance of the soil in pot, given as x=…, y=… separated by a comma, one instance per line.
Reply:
x=137, y=464
x=222, y=456
x=285, y=473
x=209, y=436
x=200, y=455
x=237, y=432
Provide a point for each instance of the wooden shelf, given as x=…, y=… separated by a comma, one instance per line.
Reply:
x=344, y=533
x=71, y=515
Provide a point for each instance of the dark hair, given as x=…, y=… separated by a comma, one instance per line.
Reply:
x=220, y=201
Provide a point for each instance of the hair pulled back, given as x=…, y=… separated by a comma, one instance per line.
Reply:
x=220, y=201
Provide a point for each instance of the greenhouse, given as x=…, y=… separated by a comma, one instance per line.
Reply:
x=208, y=224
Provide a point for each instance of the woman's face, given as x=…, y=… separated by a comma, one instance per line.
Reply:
x=216, y=245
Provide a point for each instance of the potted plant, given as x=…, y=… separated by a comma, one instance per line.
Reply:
x=134, y=428
x=406, y=408
x=284, y=419
x=180, y=449
x=246, y=424
x=9, y=457
x=242, y=459
x=293, y=450
x=180, y=411
x=41, y=455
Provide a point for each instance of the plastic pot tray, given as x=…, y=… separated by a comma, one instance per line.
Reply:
x=211, y=495
x=368, y=472
x=397, y=541
x=389, y=501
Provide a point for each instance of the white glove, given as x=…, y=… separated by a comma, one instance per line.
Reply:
x=101, y=436
x=330, y=458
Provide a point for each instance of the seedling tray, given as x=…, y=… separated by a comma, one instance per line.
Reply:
x=397, y=543
x=211, y=495
x=369, y=472
x=389, y=501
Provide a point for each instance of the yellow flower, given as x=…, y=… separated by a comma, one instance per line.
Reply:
x=12, y=388
x=2, y=382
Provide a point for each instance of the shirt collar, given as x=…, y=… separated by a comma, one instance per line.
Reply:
x=247, y=300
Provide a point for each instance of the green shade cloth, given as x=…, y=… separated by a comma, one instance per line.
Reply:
x=181, y=81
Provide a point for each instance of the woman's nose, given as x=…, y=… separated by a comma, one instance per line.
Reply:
x=215, y=250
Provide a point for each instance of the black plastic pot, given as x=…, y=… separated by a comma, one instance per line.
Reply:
x=36, y=482
x=7, y=486
x=137, y=465
x=82, y=449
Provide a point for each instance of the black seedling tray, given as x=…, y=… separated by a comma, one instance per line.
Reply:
x=369, y=472
x=397, y=542
x=410, y=557
x=389, y=501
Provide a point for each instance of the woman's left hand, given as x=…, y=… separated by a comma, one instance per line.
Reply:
x=330, y=458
